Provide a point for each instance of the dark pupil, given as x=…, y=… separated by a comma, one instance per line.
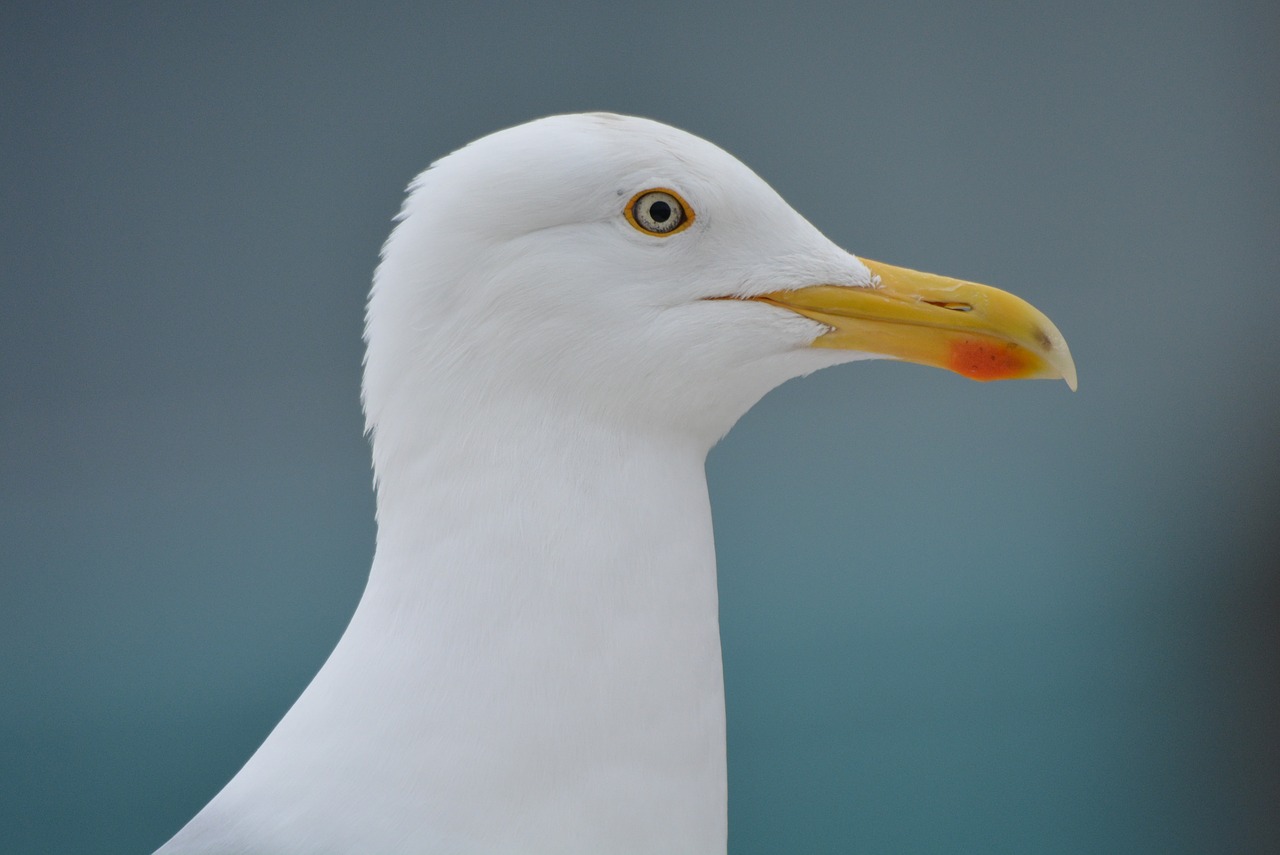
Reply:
x=660, y=212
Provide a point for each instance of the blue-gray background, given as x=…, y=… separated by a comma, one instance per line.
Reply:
x=957, y=617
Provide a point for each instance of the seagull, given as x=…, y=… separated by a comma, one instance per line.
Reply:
x=566, y=317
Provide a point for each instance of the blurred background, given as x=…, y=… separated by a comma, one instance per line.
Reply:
x=957, y=617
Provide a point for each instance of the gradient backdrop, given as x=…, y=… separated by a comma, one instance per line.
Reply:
x=957, y=617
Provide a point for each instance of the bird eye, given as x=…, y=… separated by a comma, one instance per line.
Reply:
x=658, y=212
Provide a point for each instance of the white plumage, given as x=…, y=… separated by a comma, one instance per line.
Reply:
x=534, y=666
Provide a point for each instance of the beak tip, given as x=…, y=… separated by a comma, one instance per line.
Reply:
x=1067, y=370
x=1055, y=350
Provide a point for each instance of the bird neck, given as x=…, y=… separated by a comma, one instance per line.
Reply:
x=555, y=590
x=535, y=663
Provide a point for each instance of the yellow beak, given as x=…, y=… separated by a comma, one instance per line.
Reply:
x=971, y=329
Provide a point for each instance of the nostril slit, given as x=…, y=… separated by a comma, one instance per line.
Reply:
x=952, y=307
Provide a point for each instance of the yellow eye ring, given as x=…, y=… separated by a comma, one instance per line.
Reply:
x=659, y=212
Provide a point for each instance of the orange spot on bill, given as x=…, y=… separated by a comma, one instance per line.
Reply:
x=987, y=359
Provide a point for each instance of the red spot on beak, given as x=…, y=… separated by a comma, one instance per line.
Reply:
x=988, y=359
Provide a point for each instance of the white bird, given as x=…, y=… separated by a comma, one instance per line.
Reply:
x=566, y=318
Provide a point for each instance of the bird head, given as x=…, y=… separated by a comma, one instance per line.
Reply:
x=625, y=270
